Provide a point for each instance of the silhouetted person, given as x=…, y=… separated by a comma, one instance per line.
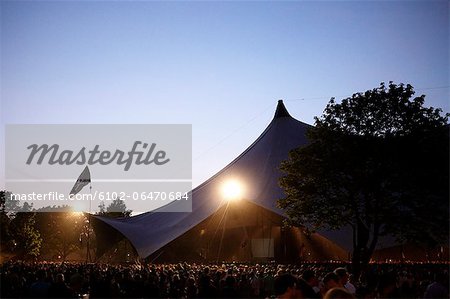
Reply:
x=437, y=288
x=191, y=288
x=59, y=288
x=344, y=279
x=206, y=288
x=40, y=288
x=229, y=289
x=311, y=279
x=288, y=286
x=387, y=286
x=331, y=280
x=338, y=293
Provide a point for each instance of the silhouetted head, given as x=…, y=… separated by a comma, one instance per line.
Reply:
x=60, y=278
x=342, y=275
x=338, y=293
x=286, y=286
x=331, y=280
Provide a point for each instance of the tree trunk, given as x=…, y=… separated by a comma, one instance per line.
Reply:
x=356, y=258
x=360, y=257
x=362, y=250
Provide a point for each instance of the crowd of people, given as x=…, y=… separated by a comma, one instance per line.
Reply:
x=309, y=280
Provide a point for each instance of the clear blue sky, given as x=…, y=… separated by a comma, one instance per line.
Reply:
x=220, y=66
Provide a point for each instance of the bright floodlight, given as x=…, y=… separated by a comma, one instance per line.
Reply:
x=78, y=208
x=232, y=190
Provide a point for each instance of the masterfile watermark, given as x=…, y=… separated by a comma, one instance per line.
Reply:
x=53, y=154
x=102, y=196
x=133, y=163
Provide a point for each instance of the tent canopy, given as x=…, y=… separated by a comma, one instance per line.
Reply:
x=257, y=168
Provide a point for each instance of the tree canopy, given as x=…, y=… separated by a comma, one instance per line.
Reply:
x=376, y=162
x=116, y=209
x=54, y=232
x=18, y=231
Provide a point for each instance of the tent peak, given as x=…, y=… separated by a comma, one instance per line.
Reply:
x=281, y=110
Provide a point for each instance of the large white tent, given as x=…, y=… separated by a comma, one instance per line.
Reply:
x=257, y=169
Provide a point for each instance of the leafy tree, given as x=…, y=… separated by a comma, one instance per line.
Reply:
x=54, y=230
x=5, y=233
x=102, y=208
x=18, y=233
x=116, y=209
x=27, y=238
x=61, y=230
x=8, y=206
x=378, y=163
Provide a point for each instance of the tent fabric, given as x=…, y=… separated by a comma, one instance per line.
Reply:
x=243, y=231
x=257, y=169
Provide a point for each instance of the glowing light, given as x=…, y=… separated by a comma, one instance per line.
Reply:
x=232, y=190
x=78, y=208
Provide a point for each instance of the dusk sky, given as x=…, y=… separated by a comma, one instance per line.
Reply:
x=220, y=66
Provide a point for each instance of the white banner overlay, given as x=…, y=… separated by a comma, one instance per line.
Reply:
x=146, y=166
